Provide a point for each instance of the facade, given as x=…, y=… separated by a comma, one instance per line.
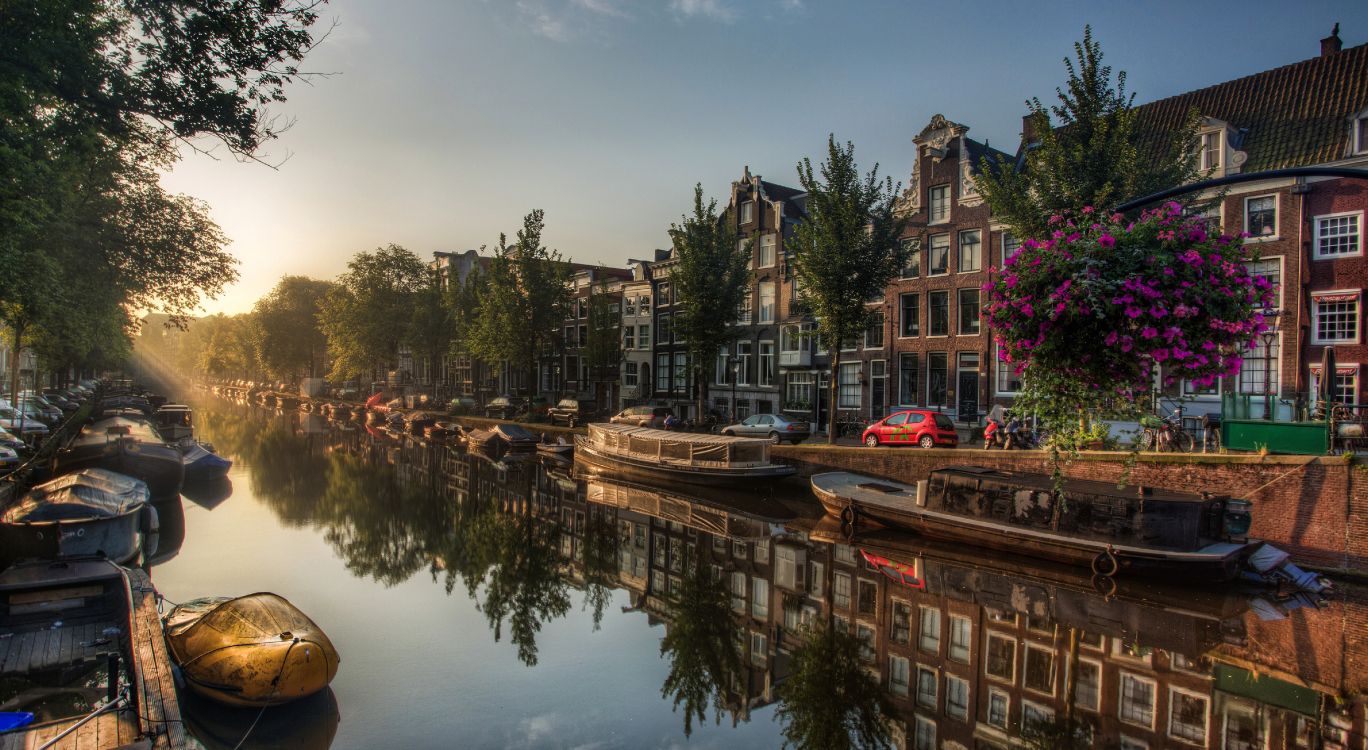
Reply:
x=637, y=330
x=673, y=379
x=585, y=368
x=461, y=375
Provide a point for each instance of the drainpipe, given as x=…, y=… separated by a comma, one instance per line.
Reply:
x=1300, y=189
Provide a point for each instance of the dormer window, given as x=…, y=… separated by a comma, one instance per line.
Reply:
x=1213, y=148
x=747, y=212
x=1361, y=134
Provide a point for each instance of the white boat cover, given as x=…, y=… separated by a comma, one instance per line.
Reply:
x=88, y=493
x=683, y=448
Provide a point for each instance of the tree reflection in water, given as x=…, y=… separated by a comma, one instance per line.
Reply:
x=701, y=642
x=830, y=700
x=600, y=550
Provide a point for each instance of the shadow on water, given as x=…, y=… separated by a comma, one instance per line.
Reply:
x=306, y=724
x=765, y=603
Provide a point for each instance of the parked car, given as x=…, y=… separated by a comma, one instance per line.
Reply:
x=505, y=407
x=573, y=411
x=927, y=429
x=643, y=416
x=776, y=427
x=462, y=405
x=22, y=426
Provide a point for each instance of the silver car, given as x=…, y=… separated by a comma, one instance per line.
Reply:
x=776, y=427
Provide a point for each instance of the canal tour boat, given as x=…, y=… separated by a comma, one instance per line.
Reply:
x=661, y=455
x=1131, y=531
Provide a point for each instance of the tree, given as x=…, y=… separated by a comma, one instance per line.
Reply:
x=846, y=250
x=705, y=665
x=430, y=328
x=291, y=341
x=830, y=700
x=603, y=350
x=1089, y=151
x=711, y=277
x=367, y=314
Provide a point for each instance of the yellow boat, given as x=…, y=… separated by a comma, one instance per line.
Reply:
x=255, y=650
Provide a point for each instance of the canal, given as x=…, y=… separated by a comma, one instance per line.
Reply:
x=480, y=603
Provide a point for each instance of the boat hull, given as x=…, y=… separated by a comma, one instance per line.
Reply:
x=1192, y=567
x=117, y=538
x=657, y=472
x=159, y=465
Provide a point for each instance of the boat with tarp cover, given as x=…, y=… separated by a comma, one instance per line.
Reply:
x=1134, y=530
x=92, y=512
x=681, y=456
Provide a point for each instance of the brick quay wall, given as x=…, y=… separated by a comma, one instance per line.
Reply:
x=1316, y=508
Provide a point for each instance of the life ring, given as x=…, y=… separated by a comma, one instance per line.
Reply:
x=1105, y=564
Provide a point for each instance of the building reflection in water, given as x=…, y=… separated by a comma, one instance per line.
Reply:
x=973, y=651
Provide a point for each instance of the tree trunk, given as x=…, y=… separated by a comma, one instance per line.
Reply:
x=14, y=374
x=834, y=385
x=701, y=392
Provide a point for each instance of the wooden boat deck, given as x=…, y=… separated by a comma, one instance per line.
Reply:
x=157, y=717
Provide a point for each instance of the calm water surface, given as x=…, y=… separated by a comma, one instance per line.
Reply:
x=487, y=604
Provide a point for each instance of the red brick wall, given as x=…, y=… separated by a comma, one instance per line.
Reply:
x=1314, y=508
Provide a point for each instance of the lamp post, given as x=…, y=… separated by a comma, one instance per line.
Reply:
x=1269, y=337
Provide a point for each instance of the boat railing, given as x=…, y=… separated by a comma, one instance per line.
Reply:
x=682, y=449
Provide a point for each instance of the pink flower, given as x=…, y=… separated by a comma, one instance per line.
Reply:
x=1133, y=312
x=1148, y=332
x=1111, y=338
x=1107, y=241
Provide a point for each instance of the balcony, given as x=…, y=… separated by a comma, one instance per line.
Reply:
x=801, y=358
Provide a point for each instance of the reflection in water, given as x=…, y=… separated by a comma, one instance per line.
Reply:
x=306, y=724
x=966, y=650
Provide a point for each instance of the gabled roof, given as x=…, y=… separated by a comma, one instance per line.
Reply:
x=975, y=151
x=1296, y=115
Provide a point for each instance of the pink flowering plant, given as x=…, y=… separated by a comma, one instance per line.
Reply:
x=1088, y=314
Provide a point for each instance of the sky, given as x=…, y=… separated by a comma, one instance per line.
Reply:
x=439, y=124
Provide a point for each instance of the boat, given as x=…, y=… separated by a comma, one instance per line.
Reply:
x=660, y=455
x=558, y=448
x=83, y=659
x=175, y=422
x=254, y=650
x=1132, y=531
x=201, y=462
x=127, y=445
x=442, y=431
x=501, y=437
x=721, y=512
x=417, y=422
x=91, y=512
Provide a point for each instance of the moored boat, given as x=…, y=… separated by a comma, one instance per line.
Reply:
x=254, y=650
x=127, y=445
x=88, y=513
x=501, y=437
x=175, y=422
x=1131, y=531
x=202, y=463
x=657, y=455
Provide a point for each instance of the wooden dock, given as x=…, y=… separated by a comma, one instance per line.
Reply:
x=153, y=722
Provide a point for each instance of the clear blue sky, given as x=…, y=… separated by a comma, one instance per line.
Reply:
x=443, y=122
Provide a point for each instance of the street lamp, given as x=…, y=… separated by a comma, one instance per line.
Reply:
x=1269, y=337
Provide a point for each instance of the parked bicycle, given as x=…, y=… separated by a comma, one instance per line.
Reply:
x=850, y=425
x=1163, y=434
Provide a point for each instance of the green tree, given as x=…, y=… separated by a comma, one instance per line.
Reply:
x=1089, y=150
x=700, y=641
x=290, y=337
x=603, y=351
x=367, y=314
x=711, y=277
x=830, y=700
x=846, y=250
x=430, y=328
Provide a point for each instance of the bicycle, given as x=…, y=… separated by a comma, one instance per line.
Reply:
x=1162, y=434
x=850, y=425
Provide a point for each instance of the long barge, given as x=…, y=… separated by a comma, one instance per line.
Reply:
x=661, y=455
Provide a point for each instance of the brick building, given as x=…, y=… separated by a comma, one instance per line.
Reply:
x=574, y=371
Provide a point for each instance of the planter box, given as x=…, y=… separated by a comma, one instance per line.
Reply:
x=1304, y=438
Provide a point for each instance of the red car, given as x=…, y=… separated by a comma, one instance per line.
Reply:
x=912, y=427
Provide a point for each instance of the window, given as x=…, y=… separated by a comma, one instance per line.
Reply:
x=1339, y=236
x=937, y=378
x=798, y=391
x=924, y=736
x=939, y=303
x=960, y=633
x=628, y=306
x=1008, y=381
x=1137, y=700
x=743, y=313
x=1087, y=685
x=939, y=253
x=874, y=335
x=938, y=204
x=681, y=371
x=743, y=362
x=926, y=687
x=630, y=371
x=766, y=375
x=571, y=368
x=909, y=383
x=663, y=329
x=910, y=319
x=865, y=633
x=1361, y=135
x=848, y=392
x=970, y=251
x=1260, y=373
x=999, y=703
x=1271, y=270
x=1034, y=714
x=1132, y=744
x=644, y=337
x=818, y=578
x=901, y=631
x=968, y=312
x=759, y=598
x=866, y=600
x=1187, y=716
x=840, y=590
x=629, y=337
x=1261, y=216
x=1211, y=151
x=845, y=553
x=582, y=307
x=956, y=697
x=929, y=633
x=766, y=291
x=747, y=212
x=738, y=591
x=1001, y=661
x=1040, y=671
x=1336, y=318
x=899, y=674
x=1010, y=245
x=759, y=648
x=912, y=267
x=768, y=242
x=1346, y=383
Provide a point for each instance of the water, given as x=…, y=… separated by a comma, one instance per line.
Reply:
x=478, y=604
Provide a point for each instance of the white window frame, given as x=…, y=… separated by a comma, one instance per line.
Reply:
x=930, y=247
x=949, y=314
x=894, y=663
x=761, y=356
x=968, y=701
x=745, y=350
x=914, y=246
x=1101, y=674
x=1315, y=316
x=1314, y=378
x=959, y=251
x=1282, y=269
x=959, y=308
x=1316, y=253
x=1256, y=360
x=921, y=623
x=631, y=371
x=747, y=212
x=1206, y=716
x=1360, y=126
x=1120, y=698
x=1027, y=706
x=917, y=743
x=935, y=686
x=768, y=240
x=988, y=636
x=1001, y=368
x=759, y=598
x=1202, y=164
x=761, y=317
x=1277, y=218
x=902, y=318
x=842, y=403
x=1054, y=668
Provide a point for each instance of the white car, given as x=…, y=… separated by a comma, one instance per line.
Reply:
x=9, y=459
x=12, y=421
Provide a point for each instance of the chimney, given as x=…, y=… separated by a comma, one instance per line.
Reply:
x=1028, y=134
x=1331, y=44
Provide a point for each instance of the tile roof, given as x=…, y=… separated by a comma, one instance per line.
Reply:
x=975, y=152
x=1296, y=115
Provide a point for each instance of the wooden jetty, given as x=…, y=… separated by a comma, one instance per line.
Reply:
x=151, y=720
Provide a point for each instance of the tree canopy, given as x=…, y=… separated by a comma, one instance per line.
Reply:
x=367, y=314
x=291, y=341
x=830, y=700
